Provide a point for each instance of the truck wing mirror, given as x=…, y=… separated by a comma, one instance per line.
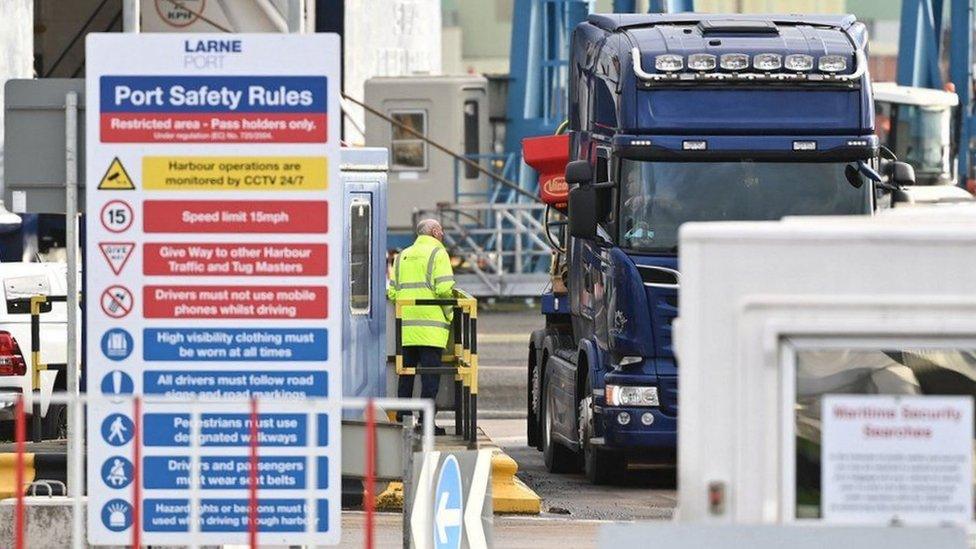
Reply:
x=579, y=172
x=582, y=211
x=902, y=173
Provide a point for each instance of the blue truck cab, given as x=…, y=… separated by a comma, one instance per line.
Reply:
x=677, y=118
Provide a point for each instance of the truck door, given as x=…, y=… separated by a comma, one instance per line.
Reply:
x=594, y=272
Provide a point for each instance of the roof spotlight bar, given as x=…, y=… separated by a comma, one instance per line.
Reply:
x=672, y=76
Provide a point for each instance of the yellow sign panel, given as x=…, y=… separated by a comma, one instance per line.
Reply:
x=116, y=178
x=237, y=173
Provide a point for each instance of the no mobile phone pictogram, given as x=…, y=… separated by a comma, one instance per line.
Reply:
x=117, y=301
x=116, y=254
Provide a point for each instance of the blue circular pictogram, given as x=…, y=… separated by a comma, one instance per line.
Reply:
x=117, y=515
x=117, y=429
x=117, y=472
x=117, y=344
x=118, y=383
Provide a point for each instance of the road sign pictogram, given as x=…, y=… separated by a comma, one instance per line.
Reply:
x=116, y=178
x=117, y=301
x=116, y=216
x=116, y=254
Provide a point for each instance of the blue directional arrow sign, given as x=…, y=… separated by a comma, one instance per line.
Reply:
x=448, y=506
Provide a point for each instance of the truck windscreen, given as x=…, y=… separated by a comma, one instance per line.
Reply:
x=655, y=198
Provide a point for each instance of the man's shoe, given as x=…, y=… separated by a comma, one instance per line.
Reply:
x=438, y=431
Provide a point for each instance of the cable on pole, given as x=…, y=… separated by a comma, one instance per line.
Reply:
x=466, y=161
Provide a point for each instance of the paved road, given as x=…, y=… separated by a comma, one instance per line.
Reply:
x=641, y=494
x=509, y=532
x=503, y=347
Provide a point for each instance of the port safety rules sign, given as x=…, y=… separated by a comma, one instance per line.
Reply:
x=213, y=242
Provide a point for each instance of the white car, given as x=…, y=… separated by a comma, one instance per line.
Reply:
x=20, y=281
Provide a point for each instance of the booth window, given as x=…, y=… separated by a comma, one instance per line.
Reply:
x=471, y=142
x=360, y=244
x=407, y=151
x=918, y=371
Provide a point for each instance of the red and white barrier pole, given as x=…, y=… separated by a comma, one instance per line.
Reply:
x=20, y=435
x=252, y=481
x=136, y=472
x=368, y=496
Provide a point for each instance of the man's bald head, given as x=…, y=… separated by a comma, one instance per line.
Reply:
x=430, y=227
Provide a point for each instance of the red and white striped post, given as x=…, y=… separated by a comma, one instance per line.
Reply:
x=136, y=472
x=20, y=435
x=252, y=481
x=368, y=496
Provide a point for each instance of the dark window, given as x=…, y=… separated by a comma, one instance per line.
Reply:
x=604, y=109
x=360, y=244
x=472, y=145
x=407, y=151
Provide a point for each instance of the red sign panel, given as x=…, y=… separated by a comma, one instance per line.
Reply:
x=250, y=302
x=205, y=259
x=140, y=127
x=235, y=216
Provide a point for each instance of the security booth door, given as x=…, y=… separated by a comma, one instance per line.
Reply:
x=878, y=431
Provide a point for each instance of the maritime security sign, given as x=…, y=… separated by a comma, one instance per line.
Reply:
x=214, y=252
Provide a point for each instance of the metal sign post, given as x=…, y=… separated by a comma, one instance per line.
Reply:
x=75, y=437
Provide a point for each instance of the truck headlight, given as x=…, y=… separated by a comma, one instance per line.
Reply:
x=832, y=63
x=627, y=395
x=799, y=62
x=669, y=62
x=767, y=61
x=734, y=61
x=701, y=62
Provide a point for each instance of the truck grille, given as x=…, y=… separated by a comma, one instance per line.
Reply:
x=664, y=308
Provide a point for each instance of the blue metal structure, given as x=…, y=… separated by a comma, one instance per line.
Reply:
x=655, y=6
x=364, y=180
x=538, y=72
x=680, y=117
x=920, y=54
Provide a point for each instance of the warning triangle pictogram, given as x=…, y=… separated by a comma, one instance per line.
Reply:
x=117, y=254
x=116, y=178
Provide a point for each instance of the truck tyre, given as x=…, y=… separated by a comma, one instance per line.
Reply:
x=54, y=426
x=557, y=457
x=600, y=466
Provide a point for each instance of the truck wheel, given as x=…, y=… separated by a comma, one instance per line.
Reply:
x=600, y=466
x=557, y=457
x=55, y=424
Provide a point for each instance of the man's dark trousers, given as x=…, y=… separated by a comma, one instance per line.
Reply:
x=420, y=357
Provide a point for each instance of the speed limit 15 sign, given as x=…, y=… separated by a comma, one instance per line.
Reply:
x=116, y=216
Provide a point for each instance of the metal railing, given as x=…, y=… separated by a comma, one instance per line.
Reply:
x=461, y=360
x=503, y=247
x=195, y=408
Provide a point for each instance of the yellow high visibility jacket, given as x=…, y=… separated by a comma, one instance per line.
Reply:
x=423, y=271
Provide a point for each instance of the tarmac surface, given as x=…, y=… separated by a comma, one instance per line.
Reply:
x=503, y=339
